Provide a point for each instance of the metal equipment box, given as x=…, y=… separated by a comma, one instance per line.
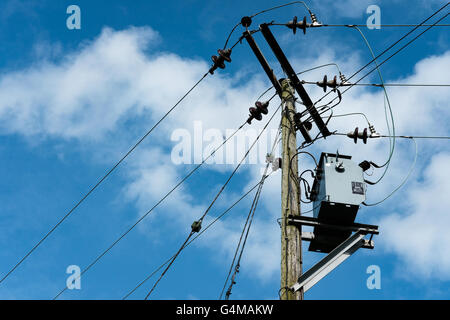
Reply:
x=337, y=192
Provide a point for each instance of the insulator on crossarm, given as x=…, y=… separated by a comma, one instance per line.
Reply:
x=324, y=84
x=355, y=135
x=332, y=84
x=256, y=113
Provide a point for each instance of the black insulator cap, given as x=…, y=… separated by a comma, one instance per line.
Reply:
x=293, y=25
x=323, y=84
x=364, y=136
x=256, y=114
x=303, y=25
x=246, y=21
x=333, y=83
x=196, y=226
x=218, y=62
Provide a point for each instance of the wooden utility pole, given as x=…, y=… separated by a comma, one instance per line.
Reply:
x=291, y=242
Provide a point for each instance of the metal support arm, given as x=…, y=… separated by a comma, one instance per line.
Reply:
x=330, y=262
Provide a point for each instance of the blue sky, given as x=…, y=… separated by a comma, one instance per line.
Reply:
x=72, y=102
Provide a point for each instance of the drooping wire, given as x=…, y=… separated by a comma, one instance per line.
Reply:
x=392, y=55
x=212, y=203
x=392, y=45
x=247, y=222
x=368, y=73
x=386, y=96
x=403, y=182
x=154, y=207
x=351, y=114
x=401, y=136
x=193, y=239
x=404, y=46
x=99, y=181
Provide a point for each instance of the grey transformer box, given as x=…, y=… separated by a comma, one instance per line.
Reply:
x=337, y=192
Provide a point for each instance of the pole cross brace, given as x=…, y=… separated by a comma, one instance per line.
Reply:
x=330, y=262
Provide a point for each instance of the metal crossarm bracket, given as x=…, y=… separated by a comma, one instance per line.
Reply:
x=314, y=222
x=294, y=79
x=330, y=262
x=269, y=71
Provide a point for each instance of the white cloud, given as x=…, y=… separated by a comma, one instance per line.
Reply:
x=419, y=235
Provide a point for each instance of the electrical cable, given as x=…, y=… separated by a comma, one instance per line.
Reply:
x=384, y=25
x=304, y=71
x=212, y=203
x=387, y=84
x=261, y=12
x=388, y=58
x=391, y=140
x=351, y=114
x=393, y=44
x=247, y=222
x=401, y=184
x=99, y=182
x=198, y=235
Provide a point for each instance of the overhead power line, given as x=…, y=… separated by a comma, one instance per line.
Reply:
x=100, y=181
x=400, y=136
x=392, y=55
x=197, y=236
x=212, y=203
x=387, y=84
x=247, y=225
x=264, y=11
x=193, y=239
x=390, y=47
x=383, y=25
x=245, y=230
x=379, y=65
